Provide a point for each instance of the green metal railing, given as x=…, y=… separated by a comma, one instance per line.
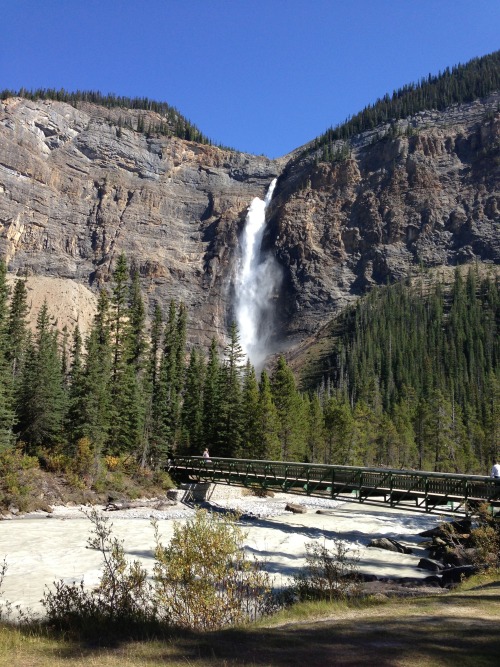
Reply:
x=427, y=491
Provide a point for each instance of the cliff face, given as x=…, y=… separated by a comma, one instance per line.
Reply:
x=77, y=189
x=424, y=191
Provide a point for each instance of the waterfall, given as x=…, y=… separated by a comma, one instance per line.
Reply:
x=257, y=280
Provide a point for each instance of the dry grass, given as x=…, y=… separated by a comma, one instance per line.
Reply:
x=461, y=628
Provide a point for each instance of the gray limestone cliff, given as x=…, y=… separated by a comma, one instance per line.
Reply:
x=421, y=192
x=77, y=189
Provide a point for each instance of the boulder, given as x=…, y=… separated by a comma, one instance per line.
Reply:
x=389, y=545
x=296, y=509
x=430, y=564
x=462, y=526
x=454, y=575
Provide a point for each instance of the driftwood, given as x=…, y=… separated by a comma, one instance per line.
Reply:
x=114, y=506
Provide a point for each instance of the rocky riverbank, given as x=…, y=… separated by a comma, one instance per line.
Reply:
x=43, y=547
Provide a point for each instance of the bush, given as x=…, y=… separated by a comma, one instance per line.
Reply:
x=203, y=579
x=16, y=478
x=121, y=599
x=485, y=538
x=330, y=574
x=112, y=463
x=163, y=480
x=477, y=544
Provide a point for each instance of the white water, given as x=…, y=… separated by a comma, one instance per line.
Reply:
x=256, y=282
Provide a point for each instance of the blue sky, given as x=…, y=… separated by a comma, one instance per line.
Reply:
x=263, y=76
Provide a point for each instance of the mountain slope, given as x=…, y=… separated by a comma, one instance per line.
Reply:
x=423, y=191
x=82, y=182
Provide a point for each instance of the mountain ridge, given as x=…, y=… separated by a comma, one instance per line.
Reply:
x=78, y=186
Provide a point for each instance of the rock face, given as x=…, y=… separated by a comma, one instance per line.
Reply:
x=423, y=191
x=77, y=189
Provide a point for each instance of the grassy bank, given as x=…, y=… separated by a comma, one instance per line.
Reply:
x=459, y=628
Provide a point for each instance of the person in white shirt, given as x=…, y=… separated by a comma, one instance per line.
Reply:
x=495, y=471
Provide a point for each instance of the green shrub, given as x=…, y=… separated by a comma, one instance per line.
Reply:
x=16, y=479
x=56, y=462
x=329, y=574
x=163, y=480
x=204, y=580
x=121, y=600
x=485, y=537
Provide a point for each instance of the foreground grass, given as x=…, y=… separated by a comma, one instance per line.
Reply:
x=460, y=628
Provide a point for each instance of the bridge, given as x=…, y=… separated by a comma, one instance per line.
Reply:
x=406, y=489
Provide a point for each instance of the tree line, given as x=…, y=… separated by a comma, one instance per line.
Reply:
x=172, y=122
x=462, y=83
x=412, y=382
x=421, y=364
x=132, y=390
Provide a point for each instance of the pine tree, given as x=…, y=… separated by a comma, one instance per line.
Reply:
x=152, y=428
x=339, y=430
x=230, y=415
x=191, y=441
x=126, y=426
x=292, y=428
x=7, y=416
x=76, y=388
x=92, y=408
x=168, y=398
x=211, y=400
x=250, y=432
x=437, y=430
x=17, y=329
x=267, y=445
x=315, y=430
x=137, y=318
x=42, y=403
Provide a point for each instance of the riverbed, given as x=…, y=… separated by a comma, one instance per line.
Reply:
x=42, y=548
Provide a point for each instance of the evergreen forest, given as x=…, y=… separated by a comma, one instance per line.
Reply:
x=412, y=381
x=460, y=84
x=172, y=122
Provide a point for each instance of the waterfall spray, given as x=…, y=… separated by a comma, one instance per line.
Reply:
x=256, y=282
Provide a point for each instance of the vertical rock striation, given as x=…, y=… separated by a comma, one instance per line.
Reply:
x=77, y=188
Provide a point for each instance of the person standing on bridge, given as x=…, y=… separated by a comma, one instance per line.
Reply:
x=206, y=455
x=495, y=471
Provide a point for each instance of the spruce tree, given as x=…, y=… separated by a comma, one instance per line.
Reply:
x=315, y=450
x=170, y=383
x=126, y=426
x=17, y=329
x=211, y=400
x=230, y=415
x=7, y=416
x=267, y=445
x=152, y=430
x=92, y=400
x=250, y=447
x=291, y=418
x=191, y=439
x=42, y=400
x=339, y=432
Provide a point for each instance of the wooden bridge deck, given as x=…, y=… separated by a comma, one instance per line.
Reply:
x=408, y=489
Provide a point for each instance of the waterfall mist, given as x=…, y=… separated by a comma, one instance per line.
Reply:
x=257, y=279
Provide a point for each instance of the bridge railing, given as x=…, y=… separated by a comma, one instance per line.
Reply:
x=427, y=490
